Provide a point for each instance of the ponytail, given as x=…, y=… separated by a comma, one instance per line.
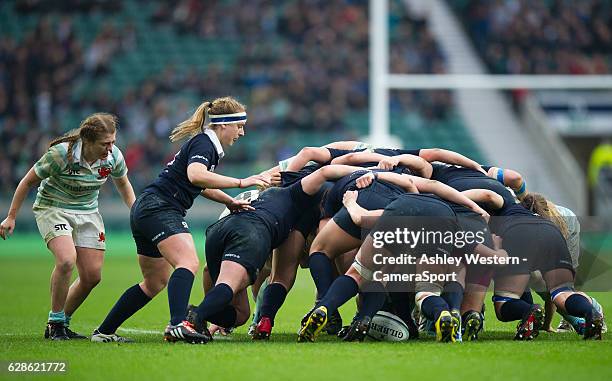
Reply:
x=193, y=125
x=537, y=203
x=91, y=129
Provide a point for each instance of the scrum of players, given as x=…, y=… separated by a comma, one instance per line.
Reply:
x=324, y=209
x=322, y=214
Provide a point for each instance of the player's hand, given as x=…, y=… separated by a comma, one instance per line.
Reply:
x=388, y=163
x=497, y=242
x=215, y=329
x=236, y=206
x=349, y=197
x=275, y=178
x=263, y=181
x=6, y=227
x=365, y=180
x=483, y=213
x=479, y=168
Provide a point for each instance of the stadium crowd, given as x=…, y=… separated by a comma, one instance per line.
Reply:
x=540, y=37
x=300, y=69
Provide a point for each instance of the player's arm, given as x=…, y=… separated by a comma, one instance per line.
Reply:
x=509, y=178
x=30, y=180
x=485, y=196
x=313, y=182
x=447, y=193
x=124, y=187
x=403, y=181
x=417, y=164
x=357, y=158
x=199, y=175
x=318, y=154
x=358, y=214
x=223, y=198
x=449, y=157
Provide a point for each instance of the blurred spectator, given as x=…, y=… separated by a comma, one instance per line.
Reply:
x=300, y=66
x=541, y=37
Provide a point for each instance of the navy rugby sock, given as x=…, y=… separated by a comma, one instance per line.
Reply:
x=132, y=300
x=322, y=271
x=214, y=302
x=453, y=294
x=273, y=298
x=402, y=303
x=225, y=318
x=373, y=299
x=578, y=305
x=433, y=306
x=341, y=290
x=179, y=289
x=513, y=310
x=527, y=296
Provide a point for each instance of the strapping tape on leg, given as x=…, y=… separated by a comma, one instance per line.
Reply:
x=560, y=290
x=365, y=272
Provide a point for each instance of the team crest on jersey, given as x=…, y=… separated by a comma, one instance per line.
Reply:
x=103, y=172
x=101, y=237
x=74, y=169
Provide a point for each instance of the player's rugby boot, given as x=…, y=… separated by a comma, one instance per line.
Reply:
x=98, y=337
x=314, y=324
x=358, y=329
x=528, y=327
x=444, y=327
x=184, y=331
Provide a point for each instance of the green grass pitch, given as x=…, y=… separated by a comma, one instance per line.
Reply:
x=25, y=267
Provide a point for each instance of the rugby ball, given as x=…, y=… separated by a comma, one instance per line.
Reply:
x=385, y=326
x=249, y=195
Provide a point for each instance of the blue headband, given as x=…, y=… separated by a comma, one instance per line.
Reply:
x=228, y=118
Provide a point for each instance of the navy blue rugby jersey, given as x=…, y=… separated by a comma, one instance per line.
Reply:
x=396, y=152
x=463, y=179
x=172, y=184
x=280, y=209
x=333, y=200
x=382, y=151
x=512, y=214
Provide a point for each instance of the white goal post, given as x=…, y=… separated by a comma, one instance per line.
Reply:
x=381, y=81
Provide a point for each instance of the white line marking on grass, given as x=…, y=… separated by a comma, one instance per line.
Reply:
x=137, y=330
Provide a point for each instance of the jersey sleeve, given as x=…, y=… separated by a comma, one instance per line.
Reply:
x=201, y=151
x=51, y=163
x=299, y=197
x=334, y=153
x=119, y=167
x=414, y=152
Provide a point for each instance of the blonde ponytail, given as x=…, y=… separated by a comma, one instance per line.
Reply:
x=191, y=126
x=545, y=208
x=194, y=125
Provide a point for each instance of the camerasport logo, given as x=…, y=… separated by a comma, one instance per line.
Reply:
x=101, y=237
x=103, y=172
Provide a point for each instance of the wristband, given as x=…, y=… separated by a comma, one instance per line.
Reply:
x=500, y=175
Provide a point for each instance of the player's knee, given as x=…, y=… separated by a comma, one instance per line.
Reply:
x=65, y=265
x=154, y=285
x=90, y=279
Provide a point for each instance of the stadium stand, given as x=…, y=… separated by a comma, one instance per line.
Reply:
x=302, y=72
x=543, y=37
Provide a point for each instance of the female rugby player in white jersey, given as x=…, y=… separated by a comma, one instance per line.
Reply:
x=66, y=209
